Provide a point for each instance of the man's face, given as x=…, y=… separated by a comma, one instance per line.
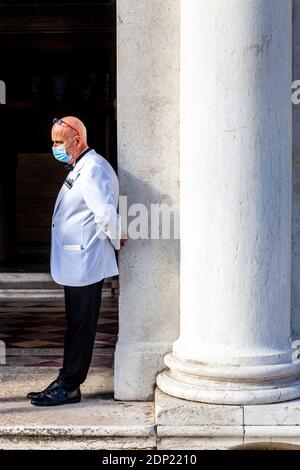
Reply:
x=61, y=136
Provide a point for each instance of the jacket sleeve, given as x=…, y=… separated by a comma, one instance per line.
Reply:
x=99, y=196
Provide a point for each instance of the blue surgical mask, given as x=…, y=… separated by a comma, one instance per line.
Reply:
x=60, y=153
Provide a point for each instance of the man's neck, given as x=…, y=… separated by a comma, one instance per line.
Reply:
x=70, y=166
x=83, y=152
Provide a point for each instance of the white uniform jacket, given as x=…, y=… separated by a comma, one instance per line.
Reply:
x=85, y=224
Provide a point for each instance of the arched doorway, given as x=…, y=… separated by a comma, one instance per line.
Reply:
x=58, y=58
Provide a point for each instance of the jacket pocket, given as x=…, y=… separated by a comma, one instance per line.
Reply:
x=72, y=264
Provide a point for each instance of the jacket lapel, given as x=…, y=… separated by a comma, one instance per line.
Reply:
x=60, y=195
x=74, y=175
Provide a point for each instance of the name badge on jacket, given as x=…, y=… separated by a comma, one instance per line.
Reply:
x=69, y=181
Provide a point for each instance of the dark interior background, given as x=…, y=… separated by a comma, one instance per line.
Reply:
x=57, y=59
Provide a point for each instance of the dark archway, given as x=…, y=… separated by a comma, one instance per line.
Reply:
x=58, y=58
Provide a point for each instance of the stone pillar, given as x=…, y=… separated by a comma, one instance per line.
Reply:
x=235, y=192
x=148, y=51
x=295, y=292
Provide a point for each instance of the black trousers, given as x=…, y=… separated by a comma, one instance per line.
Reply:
x=82, y=305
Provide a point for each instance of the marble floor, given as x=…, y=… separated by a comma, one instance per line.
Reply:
x=33, y=332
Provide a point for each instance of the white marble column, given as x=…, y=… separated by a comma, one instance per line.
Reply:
x=235, y=181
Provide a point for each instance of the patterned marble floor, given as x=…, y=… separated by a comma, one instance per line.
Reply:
x=34, y=332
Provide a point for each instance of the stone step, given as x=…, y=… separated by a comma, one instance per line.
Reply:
x=18, y=381
x=26, y=280
x=97, y=422
x=15, y=295
x=39, y=295
x=37, y=287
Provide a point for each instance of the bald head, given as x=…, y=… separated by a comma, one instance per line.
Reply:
x=74, y=138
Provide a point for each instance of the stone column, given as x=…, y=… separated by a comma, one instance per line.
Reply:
x=235, y=182
x=148, y=51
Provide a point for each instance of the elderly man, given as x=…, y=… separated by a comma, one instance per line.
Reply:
x=86, y=230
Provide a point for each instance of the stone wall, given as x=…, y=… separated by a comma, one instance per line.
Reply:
x=148, y=48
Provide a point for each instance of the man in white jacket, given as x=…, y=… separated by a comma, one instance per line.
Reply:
x=86, y=231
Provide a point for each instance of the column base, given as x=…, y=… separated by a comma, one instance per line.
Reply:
x=230, y=385
x=183, y=424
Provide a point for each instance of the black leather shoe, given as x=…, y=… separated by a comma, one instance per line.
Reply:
x=52, y=386
x=57, y=396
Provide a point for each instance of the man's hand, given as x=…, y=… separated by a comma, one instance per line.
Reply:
x=123, y=239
